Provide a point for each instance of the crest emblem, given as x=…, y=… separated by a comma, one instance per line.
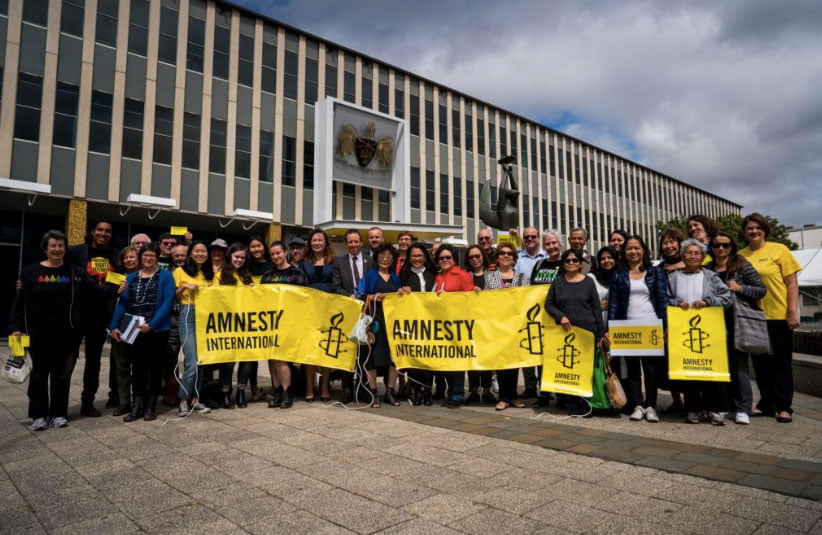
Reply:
x=365, y=147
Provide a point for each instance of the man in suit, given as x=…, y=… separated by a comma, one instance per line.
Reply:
x=347, y=271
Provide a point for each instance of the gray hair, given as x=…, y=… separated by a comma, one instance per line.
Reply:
x=148, y=240
x=547, y=233
x=689, y=242
x=579, y=229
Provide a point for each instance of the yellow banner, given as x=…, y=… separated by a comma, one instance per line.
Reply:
x=636, y=338
x=696, y=345
x=568, y=366
x=275, y=321
x=490, y=330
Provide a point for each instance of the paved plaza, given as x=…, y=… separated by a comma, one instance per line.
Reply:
x=319, y=469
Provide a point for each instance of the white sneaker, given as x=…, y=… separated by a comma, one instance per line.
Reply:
x=199, y=407
x=39, y=424
x=183, y=410
x=723, y=415
x=638, y=413
x=651, y=415
x=58, y=421
x=743, y=418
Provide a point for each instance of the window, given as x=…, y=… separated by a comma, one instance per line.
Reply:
x=383, y=96
x=245, y=73
x=222, y=49
x=503, y=141
x=443, y=130
x=308, y=165
x=443, y=193
x=455, y=125
x=266, y=156
x=480, y=134
x=291, y=65
x=191, y=140
x=289, y=161
x=242, y=152
x=216, y=153
x=65, y=114
x=36, y=12
x=367, y=87
x=167, y=49
x=331, y=73
x=133, y=129
x=99, y=139
x=469, y=199
x=107, y=22
x=195, y=52
x=415, y=187
x=138, y=27
x=429, y=190
x=269, y=74
x=163, y=132
x=492, y=139
x=399, y=96
x=27, y=118
x=71, y=17
x=457, y=196
x=542, y=156
x=311, y=73
x=349, y=86
x=469, y=128
x=415, y=114
x=429, y=117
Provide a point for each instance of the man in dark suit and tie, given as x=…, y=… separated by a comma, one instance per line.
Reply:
x=347, y=271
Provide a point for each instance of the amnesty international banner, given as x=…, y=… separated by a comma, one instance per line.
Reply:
x=696, y=344
x=457, y=331
x=636, y=338
x=568, y=366
x=275, y=321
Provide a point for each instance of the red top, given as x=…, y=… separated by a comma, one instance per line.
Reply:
x=454, y=280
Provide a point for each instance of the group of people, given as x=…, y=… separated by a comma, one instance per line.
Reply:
x=70, y=296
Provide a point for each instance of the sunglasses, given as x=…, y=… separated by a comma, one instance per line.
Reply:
x=475, y=257
x=485, y=238
x=530, y=237
x=572, y=260
x=721, y=245
x=505, y=253
x=441, y=258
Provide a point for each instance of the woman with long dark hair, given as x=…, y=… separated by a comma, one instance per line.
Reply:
x=150, y=294
x=319, y=271
x=196, y=273
x=639, y=291
x=476, y=263
x=259, y=262
x=235, y=272
x=744, y=283
x=417, y=275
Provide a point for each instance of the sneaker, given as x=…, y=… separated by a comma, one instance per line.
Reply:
x=692, y=418
x=742, y=418
x=183, y=411
x=39, y=424
x=638, y=414
x=651, y=415
x=199, y=407
x=58, y=421
x=716, y=418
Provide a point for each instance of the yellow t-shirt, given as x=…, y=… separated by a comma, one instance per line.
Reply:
x=773, y=262
x=216, y=281
x=187, y=297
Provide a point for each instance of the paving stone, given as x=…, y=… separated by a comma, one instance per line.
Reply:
x=784, y=486
x=568, y=515
x=778, y=514
x=513, y=500
x=714, y=472
x=664, y=463
x=353, y=512
x=418, y=526
x=297, y=522
x=443, y=509
x=113, y=524
x=478, y=523
x=189, y=518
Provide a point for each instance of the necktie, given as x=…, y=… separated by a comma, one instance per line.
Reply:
x=355, y=269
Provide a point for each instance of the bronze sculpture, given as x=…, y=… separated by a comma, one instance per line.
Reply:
x=506, y=215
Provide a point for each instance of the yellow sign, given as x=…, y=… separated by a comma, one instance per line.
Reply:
x=492, y=330
x=275, y=321
x=568, y=366
x=636, y=338
x=696, y=345
x=18, y=345
x=115, y=278
x=513, y=239
x=99, y=264
x=178, y=231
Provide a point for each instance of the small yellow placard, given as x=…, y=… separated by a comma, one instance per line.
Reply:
x=115, y=278
x=178, y=231
x=636, y=338
x=568, y=364
x=18, y=345
x=514, y=240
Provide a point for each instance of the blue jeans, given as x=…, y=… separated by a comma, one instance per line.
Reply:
x=456, y=385
x=188, y=340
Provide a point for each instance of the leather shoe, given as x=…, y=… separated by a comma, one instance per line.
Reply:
x=90, y=412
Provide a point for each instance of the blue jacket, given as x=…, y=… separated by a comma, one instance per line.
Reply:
x=369, y=281
x=161, y=321
x=620, y=292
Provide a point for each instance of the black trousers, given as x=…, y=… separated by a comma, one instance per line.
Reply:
x=651, y=369
x=52, y=357
x=146, y=356
x=479, y=379
x=95, y=336
x=774, y=373
x=508, y=384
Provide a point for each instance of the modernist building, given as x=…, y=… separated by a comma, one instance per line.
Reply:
x=211, y=110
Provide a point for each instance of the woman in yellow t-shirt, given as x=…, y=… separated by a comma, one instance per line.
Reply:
x=777, y=268
x=197, y=272
x=235, y=272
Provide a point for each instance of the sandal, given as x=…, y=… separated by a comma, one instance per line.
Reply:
x=501, y=406
x=784, y=419
x=375, y=404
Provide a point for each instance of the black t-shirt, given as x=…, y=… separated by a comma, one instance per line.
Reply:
x=49, y=297
x=545, y=271
x=289, y=275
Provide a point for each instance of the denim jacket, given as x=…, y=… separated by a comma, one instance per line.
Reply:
x=620, y=291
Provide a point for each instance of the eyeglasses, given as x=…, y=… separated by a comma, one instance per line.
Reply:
x=443, y=257
x=693, y=253
x=530, y=237
x=505, y=253
x=475, y=257
x=572, y=260
x=484, y=238
x=721, y=245
x=168, y=243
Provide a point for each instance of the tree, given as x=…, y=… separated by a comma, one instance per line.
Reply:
x=732, y=224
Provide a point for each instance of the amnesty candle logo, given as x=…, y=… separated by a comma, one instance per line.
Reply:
x=568, y=353
x=695, y=337
x=334, y=337
x=533, y=341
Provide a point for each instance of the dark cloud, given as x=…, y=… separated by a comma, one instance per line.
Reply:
x=722, y=95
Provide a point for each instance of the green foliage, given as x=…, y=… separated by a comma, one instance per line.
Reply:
x=732, y=224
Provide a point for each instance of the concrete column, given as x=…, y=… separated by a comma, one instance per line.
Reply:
x=76, y=221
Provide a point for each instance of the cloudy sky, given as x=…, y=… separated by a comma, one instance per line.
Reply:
x=726, y=96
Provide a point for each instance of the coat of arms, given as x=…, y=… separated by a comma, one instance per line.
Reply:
x=364, y=147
